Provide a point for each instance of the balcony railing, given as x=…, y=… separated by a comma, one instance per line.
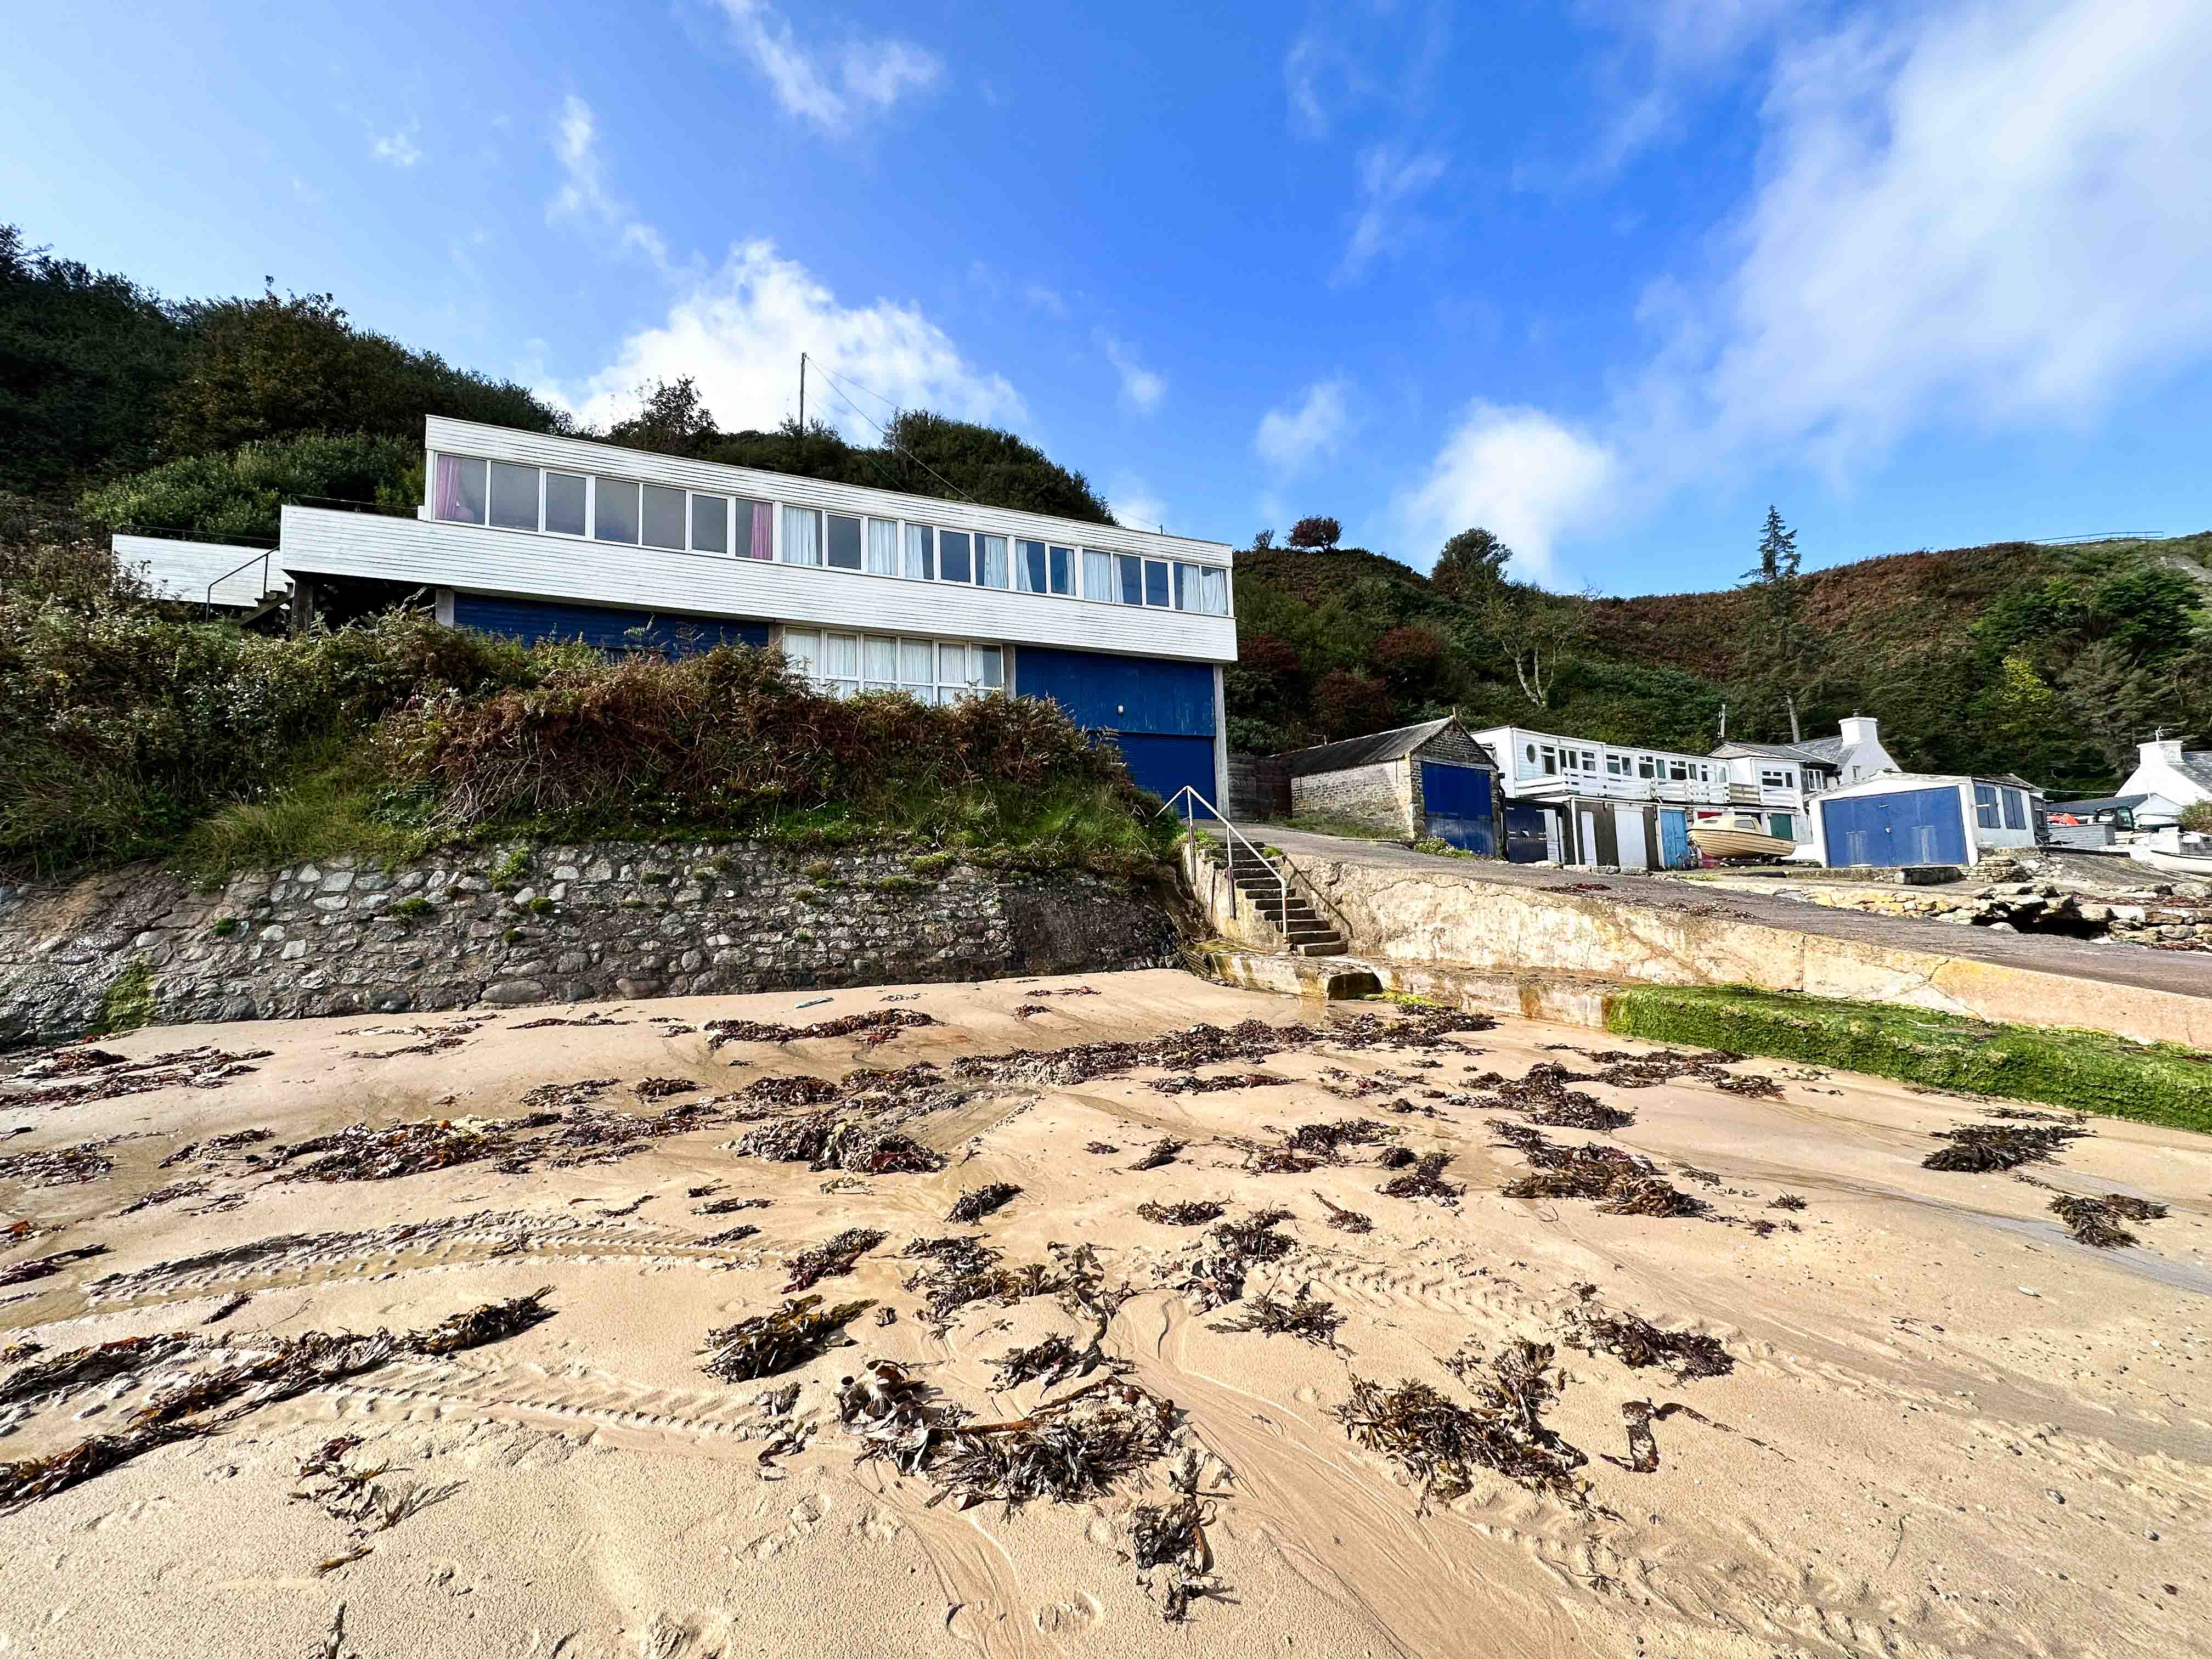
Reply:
x=1688, y=792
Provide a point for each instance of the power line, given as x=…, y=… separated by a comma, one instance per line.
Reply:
x=838, y=380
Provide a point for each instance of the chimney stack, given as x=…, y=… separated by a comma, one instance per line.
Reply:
x=1857, y=729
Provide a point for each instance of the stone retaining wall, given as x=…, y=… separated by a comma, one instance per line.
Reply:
x=515, y=925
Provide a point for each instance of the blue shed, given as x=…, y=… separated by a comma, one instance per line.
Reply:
x=1905, y=818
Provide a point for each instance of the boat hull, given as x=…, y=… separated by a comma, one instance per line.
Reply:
x=1740, y=844
x=2173, y=863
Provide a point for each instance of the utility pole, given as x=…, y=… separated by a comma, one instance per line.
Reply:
x=802, y=394
x=1723, y=722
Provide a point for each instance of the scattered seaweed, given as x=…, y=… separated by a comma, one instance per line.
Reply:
x=1443, y=1443
x=832, y=1259
x=794, y=1090
x=729, y=1205
x=1185, y=1084
x=1303, y=1316
x=63, y=1374
x=772, y=1342
x=663, y=1088
x=1220, y=1262
x=974, y=1203
x=1344, y=1220
x=871, y=1149
x=737, y=1234
x=1186, y=1212
x=1052, y=1361
x=1638, y=1415
x=963, y=1271
x=1787, y=1201
x=1978, y=1148
x=1101, y=1149
x=2096, y=1221
x=1620, y=1182
x=1543, y=1097
x=229, y=1306
x=1425, y=1028
x=1327, y=1141
x=359, y=1152
x=888, y=1021
x=566, y=1096
x=1176, y=1051
x=204, y=1067
x=594, y=1017
x=1425, y=1180
x=63, y=1166
x=45, y=1266
x=1160, y=1152
x=1069, y=1451
x=1638, y=1343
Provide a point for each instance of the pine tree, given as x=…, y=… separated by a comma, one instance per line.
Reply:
x=1790, y=650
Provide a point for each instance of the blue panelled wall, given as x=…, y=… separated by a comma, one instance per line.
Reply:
x=1909, y=826
x=1160, y=713
x=1456, y=803
x=606, y=627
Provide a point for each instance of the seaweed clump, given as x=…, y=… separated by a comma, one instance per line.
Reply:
x=974, y=1203
x=1443, y=1443
x=1231, y=1250
x=1187, y=1083
x=1621, y=1182
x=879, y=1024
x=1979, y=1148
x=773, y=1342
x=1425, y=1180
x=359, y=1152
x=1160, y=1152
x=1636, y=1343
x=1305, y=1316
x=1068, y=1450
x=1186, y=1212
x=45, y=1266
x=1052, y=1361
x=1344, y=1220
x=832, y=1259
x=65, y=1166
x=961, y=1271
x=2096, y=1221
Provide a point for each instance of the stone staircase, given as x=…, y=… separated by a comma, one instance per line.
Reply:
x=1258, y=884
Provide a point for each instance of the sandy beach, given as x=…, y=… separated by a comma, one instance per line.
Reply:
x=1940, y=1425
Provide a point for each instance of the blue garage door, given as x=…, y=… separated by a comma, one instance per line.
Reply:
x=1914, y=826
x=607, y=627
x=1675, y=852
x=1159, y=713
x=1456, y=800
x=1528, y=835
x=1164, y=764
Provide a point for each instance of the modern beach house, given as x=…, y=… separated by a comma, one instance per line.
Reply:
x=535, y=536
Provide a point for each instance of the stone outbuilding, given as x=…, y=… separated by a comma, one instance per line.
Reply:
x=1431, y=779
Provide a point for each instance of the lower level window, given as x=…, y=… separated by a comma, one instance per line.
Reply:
x=931, y=671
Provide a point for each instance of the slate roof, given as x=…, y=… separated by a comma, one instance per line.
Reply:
x=1819, y=751
x=1372, y=750
x=2197, y=766
x=2109, y=803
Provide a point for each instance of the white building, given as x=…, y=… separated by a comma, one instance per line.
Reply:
x=535, y=536
x=1921, y=817
x=2168, y=777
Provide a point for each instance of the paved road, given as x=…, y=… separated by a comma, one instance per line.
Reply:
x=2187, y=973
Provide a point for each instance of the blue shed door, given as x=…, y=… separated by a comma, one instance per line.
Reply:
x=1456, y=800
x=1528, y=835
x=1675, y=852
x=1913, y=826
x=1164, y=764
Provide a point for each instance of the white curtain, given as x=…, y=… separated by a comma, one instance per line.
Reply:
x=992, y=560
x=1216, y=586
x=802, y=535
x=1097, y=574
x=920, y=565
x=883, y=548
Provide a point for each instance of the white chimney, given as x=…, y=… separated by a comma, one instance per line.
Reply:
x=1857, y=729
x=2160, y=749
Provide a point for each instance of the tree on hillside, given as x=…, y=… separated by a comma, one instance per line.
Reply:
x=1537, y=631
x=1318, y=534
x=933, y=454
x=1471, y=562
x=275, y=366
x=1263, y=540
x=1409, y=658
x=672, y=419
x=1788, y=652
x=85, y=358
x=2111, y=702
x=1349, y=705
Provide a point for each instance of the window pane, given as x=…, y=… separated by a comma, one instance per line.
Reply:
x=840, y=656
x=1214, y=591
x=844, y=541
x=879, y=660
x=803, y=650
x=920, y=562
x=1186, y=587
x=916, y=657
x=1029, y=567
x=710, y=524
x=1131, y=569
x=987, y=665
x=883, y=548
x=564, y=504
x=991, y=561
x=1097, y=574
x=802, y=535
x=952, y=664
x=760, y=544
x=1156, y=581
x=1063, y=570
x=952, y=555
x=513, y=497
x=615, y=518
x=459, y=496
x=664, y=516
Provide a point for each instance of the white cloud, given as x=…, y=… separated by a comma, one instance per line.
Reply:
x=1288, y=438
x=1133, y=505
x=1520, y=474
x=1388, y=182
x=584, y=193
x=828, y=88
x=1139, y=384
x=1302, y=68
x=739, y=332
x=397, y=147
x=1046, y=299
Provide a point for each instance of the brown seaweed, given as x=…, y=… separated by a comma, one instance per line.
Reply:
x=1443, y=1443
x=45, y=1266
x=63, y=1166
x=833, y=1258
x=663, y=1088
x=1160, y=1152
x=1344, y=1220
x=1638, y=1343
x=2096, y=1221
x=1986, y=1147
x=1189, y=1084
x=772, y=1342
x=1303, y=1316
x=974, y=1203
x=1425, y=1180
x=887, y=1021
x=1188, y=1213
x=1069, y=1451
x=1220, y=1262
x=1055, y=1360
x=79, y=1368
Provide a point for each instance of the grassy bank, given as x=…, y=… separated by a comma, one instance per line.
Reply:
x=2088, y=1071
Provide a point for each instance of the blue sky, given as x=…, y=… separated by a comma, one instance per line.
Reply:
x=1606, y=277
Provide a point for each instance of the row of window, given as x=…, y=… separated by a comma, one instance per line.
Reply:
x=466, y=490
x=1553, y=760
x=1992, y=803
x=931, y=671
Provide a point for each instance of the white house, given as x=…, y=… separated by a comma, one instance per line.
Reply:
x=1921, y=817
x=2168, y=777
x=535, y=536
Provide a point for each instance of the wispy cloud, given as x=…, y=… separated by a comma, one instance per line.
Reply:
x=829, y=86
x=739, y=332
x=584, y=193
x=397, y=147
x=1133, y=505
x=1287, y=439
x=1143, y=388
x=1390, y=181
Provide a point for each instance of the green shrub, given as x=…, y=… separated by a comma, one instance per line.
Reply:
x=127, y=1003
x=541, y=906
x=412, y=906
x=224, y=927
x=237, y=493
x=2196, y=818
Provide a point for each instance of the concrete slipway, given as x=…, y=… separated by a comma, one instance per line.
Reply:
x=1547, y=942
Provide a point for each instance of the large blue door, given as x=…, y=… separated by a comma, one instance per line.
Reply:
x=1164, y=764
x=1528, y=835
x=1456, y=800
x=1159, y=713
x=609, y=628
x=1675, y=852
x=1913, y=826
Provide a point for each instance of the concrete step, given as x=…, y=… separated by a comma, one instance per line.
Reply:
x=1332, y=947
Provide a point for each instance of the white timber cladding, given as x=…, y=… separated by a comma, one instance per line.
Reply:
x=476, y=559
x=186, y=570
x=581, y=456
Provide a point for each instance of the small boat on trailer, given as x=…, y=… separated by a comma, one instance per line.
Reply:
x=1739, y=836
x=2170, y=851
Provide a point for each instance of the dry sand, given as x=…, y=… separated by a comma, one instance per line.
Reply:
x=1950, y=1430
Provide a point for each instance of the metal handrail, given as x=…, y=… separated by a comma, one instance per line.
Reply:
x=1190, y=797
x=207, y=607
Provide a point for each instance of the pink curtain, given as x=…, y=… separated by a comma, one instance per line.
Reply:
x=446, y=500
x=761, y=542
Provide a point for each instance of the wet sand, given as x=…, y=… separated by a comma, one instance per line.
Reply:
x=1950, y=1430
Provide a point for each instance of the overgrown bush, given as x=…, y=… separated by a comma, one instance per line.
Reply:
x=237, y=493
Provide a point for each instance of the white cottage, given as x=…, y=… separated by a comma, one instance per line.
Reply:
x=2167, y=778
